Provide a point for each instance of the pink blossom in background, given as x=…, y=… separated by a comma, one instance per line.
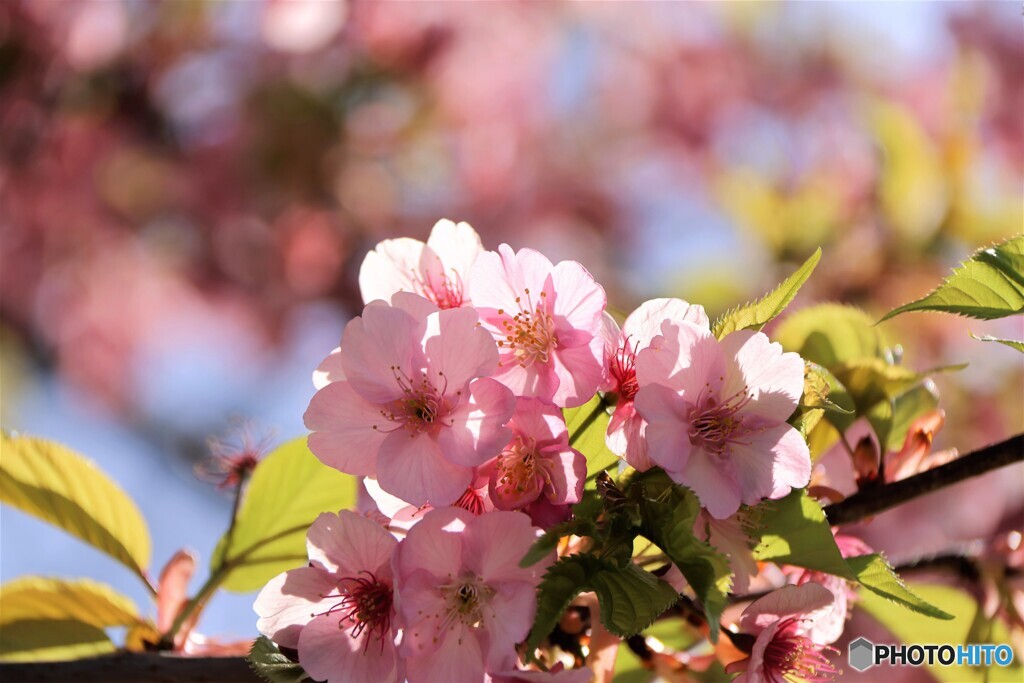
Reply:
x=626, y=429
x=416, y=408
x=538, y=462
x=464, y=599
x=780, y=622
x=338, y=612
x=437, y=270
x=716, y=414
x=829, y=628
x=547, y=321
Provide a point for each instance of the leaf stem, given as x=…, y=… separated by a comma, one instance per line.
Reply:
x=870, y=502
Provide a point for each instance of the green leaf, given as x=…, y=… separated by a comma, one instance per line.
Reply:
x=875, y=574
x=35, y=598
x=1012, y=343
x=57, y=485
x=756, y=314
x=668, y=517
x=288, y=490
x=630, y=598
x=892, y=419
x=587, y=426
x=549, y=541
x=989, y=285
x=829, y=334
x=49, y=640
x=268, y=662
x=793, y=530
x=916, y=628
x=870, y=380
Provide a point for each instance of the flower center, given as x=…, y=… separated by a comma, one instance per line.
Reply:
x=530, y=333
x=790, y=655
x=471, y=501
x=445, y=292
x=365, y=603
x=714, y=424
x=623, y=370
x=422, y=407
x=465, y=600
x=518, y=465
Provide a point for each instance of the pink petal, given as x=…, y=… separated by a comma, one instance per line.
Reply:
x=539, y=380
x=809, y=600
x=390, y=268
x=496, y=542
x=792, y=462
x=457, y=244
x=684, y=357
x=507, y=621
x=578, y=298
x=719, y=493
x=580, y=371
x=476, y=433
x=458, y=660
x=458, y=348
x=539, y=420
x=342, y=424
x=668, y=429
x=435, y=544
x=413, y=304
x=775, y=379
x=644, y=323
x=382, y=339
x=287, y=602
x=329, y=370
x=567, y=469
x=423, y=608
x=497, y=279
x=329, y=653
x=348, y=543
x=412, y=468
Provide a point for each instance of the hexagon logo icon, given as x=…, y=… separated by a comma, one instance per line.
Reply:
x=861, y=654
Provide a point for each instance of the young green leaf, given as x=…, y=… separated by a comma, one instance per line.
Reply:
x=288, y=489
x=37, y=598
x=756, y=314
x=793, y=530
x=829, y=334
x=989, y=285
x=878, y=576
x=1012, y=343
x=587, y=425
x=57, y=485
x=668, y=518
x=272, y=666
x=49, y=640
x=631, y=598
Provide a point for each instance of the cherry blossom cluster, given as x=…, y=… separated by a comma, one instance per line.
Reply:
x=446, y=397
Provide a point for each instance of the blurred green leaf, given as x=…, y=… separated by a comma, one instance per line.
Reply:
x=891, y=419
x=587, y=426
x=38, y=598
x=830, y=334
x=57, y=485
x=988, y=285
x=288, y=490
x=756, y=314
x=49, y=640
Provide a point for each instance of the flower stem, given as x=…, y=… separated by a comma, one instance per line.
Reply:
x=870, y=502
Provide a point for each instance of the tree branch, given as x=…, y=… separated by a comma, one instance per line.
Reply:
x=872, y=501
x=132, y=667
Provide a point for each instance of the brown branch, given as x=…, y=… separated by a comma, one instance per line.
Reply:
x=870, y=502
x=133, y=667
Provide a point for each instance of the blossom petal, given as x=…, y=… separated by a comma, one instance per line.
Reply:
x=412, y=468
x=667, y=433
x=459, y=350
x=578, y=297
x=391, y=267
x=580, y=371
x=329, y=653
x=476, y=433
x=644, y=323
x=457, y=245
x=342, y=424
x=496, y=542
x=719, y=493
x=808, y=600
x=507, y=619
x=434, y=545
x=460, y=659
x=329, y=370
x=758, y=366
x=287, y=602
x=382, y=341
x=348, y=543
x=684, y=357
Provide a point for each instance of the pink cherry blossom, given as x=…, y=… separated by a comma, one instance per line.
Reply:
x=338, y=612
x=626, y=429
x=828, y=628
x=782, y=650
x=547, y=321
x=415, y=408
x=402, y=515
x=538, y=462
x=464, y=599
x=437, y=270
x=716, y=414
